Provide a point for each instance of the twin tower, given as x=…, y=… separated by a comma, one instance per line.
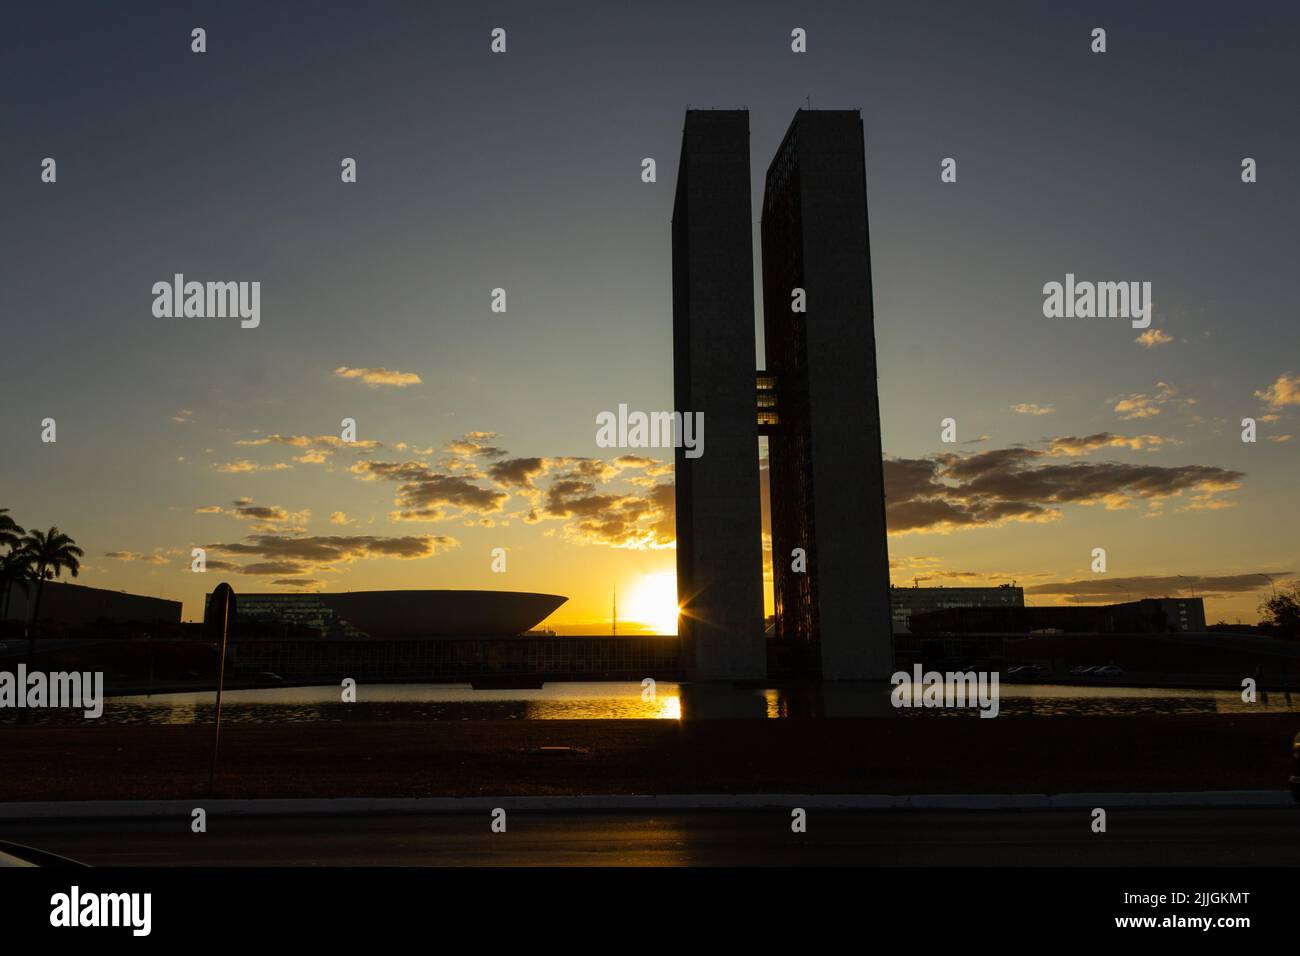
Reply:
x=816, y=402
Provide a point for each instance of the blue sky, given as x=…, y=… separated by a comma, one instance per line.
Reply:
x=522, y=171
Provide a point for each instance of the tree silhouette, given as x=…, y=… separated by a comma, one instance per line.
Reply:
x=14, y=566
x=50, y=553
x=1281, y=612
x=10, y=533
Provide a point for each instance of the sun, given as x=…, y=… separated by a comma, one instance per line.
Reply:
x=653, y=602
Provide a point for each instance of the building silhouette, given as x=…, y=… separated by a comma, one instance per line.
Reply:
x=816, y=401
x=907, y=603
x=719, y=547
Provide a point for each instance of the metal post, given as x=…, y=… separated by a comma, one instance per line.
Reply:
x=221, y=679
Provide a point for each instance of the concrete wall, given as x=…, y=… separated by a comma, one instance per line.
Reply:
x=852, y=561
x=719, y=556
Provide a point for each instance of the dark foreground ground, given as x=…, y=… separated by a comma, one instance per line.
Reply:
x=869, y=755
x=1236, y=837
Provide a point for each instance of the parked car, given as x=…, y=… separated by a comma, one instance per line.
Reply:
x=268, y=677
x=1025, y=671
x=1082, y=670
x=1110, y=670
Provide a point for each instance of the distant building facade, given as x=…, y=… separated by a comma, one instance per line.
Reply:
x=906, y=602
x=75, y=604
x=284, y=616
x=385, y=615
x=1147, y=616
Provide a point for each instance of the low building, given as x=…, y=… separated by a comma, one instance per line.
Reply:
x=76, y=605
x=388, y=615
x=906, y=602
x=1147, y=616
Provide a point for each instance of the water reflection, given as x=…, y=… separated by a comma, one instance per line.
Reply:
x=626, y=701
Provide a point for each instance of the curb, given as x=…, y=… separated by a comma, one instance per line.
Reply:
x=122, y=809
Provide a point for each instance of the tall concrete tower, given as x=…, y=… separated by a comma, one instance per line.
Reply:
x=827, y=481
x=719, y=548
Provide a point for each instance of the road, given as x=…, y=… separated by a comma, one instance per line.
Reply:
x=1230, y=837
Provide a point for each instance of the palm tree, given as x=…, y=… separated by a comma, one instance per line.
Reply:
x=51, y=552
x=15, y=568
x=12, y=567
x=9, y=532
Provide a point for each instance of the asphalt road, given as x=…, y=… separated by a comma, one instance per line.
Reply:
x=1230, y=837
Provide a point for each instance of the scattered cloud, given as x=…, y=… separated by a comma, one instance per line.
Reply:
x=155, y=558
x=1096, y=589
x=1072, y=446
x=1031, y=408
x=243, y=509
x=427, y=495
x=644, y=520
x=950, y=492
x=475, y=445
x=1153, y=337
x=183, y=416
x=1285, y=391
x=285, y=554
x=517, y=472
x=1139, y=405
x=242, y=466
x=379, y=377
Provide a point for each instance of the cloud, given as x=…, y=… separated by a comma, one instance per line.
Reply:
x=1139, y=405
x=292, y=554
x=243, y=466
x=951, y=492
x=154, y=558
x=377, y=377
x=619, y=520
x=315, y=448
x=636, y=517
x=275, y=567
x=183, y=416
x=651, y=466
x=1030, y=408
x=1285, y=391
x=313, y=583
x=1097, y=589
x=517, y=472
x=338, y=517
x=220, y=565
x=1071, y=446
x=425, y=495
x=1153, y=337
x=243, y=509
x=474, y=445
